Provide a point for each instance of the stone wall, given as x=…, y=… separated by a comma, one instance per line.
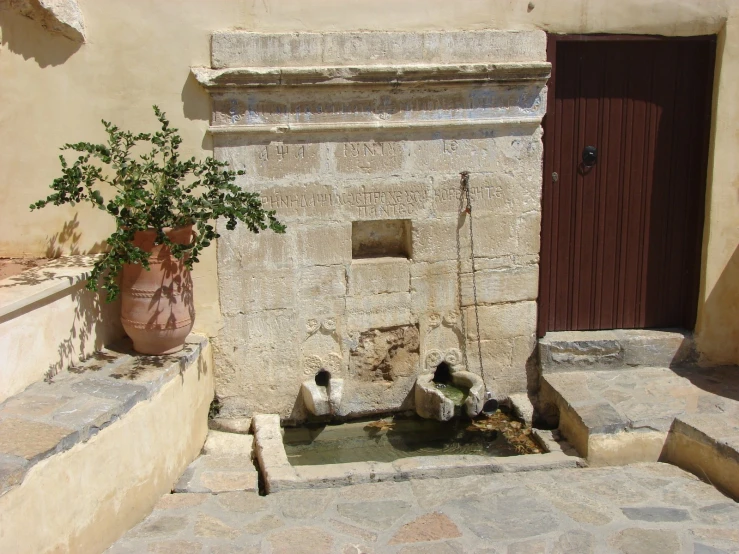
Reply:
x=373, y=279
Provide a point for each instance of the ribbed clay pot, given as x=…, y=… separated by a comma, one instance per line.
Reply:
x=157, y=309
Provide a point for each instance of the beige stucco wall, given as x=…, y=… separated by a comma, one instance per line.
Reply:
x=52, y=92
x=84, y=499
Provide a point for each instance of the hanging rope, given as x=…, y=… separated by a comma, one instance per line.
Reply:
x=465, y=184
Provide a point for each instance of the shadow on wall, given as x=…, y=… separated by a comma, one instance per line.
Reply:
x=29, y=39
x=95, y=322
x=68, y=239
x=196, y=105
x=719, y=317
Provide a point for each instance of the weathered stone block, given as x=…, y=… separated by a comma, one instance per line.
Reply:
x=385, y=354
x=378, y=275
x=434, y=287
x=378, y=311
x=242, y=250
x=322, y=290
x=252, y=291
x=323, y=245
x=452, y=155
x=503, y=285
x=502, y=320
x=489, y=193
x=439, y=239
x=528, y=231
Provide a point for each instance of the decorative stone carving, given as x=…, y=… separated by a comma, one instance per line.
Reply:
x=63, y=17
x=432, y=404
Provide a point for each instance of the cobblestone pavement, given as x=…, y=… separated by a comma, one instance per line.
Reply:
x=646, y=508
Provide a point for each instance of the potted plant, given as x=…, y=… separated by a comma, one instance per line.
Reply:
x=165, y=209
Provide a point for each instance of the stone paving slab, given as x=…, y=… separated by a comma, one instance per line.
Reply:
x=51, y=417
x=647, y=398
x=686, y=416
x=637, y=509
x=226, y=465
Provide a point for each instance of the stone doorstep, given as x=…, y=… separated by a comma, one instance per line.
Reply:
x=606, y=433
x=280, y=475
x=50, y=418
x=617, y=349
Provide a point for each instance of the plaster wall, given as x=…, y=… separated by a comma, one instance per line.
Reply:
x=83, y=499
x=54, y=91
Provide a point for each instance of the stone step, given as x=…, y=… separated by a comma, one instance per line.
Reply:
x=685, y=416
x=616, y=349
x=90, y=452
x=226, y=465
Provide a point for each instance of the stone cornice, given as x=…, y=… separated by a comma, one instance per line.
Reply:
x=368, y=75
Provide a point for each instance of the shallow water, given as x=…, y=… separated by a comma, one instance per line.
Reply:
x=455, y=394
x=390, y=439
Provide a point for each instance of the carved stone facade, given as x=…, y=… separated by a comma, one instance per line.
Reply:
x=357, y=141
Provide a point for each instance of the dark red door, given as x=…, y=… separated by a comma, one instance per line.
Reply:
x=622, y=221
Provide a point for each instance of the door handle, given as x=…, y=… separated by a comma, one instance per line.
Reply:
x=589, y=156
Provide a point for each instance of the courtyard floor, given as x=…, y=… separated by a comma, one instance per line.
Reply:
x=648, y=508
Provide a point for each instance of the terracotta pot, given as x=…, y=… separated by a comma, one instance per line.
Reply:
x=157, y=309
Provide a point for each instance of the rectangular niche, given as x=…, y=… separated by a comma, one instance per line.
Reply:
x=381, y=238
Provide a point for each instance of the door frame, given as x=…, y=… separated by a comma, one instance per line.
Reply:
x=547, y=126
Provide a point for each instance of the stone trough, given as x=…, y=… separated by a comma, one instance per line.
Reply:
x=279, y=474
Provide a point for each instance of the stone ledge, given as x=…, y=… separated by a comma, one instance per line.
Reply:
x=90, y=493
x=228, y=79
x=233, y=48
x=283, y=128
x=279, y=475
x=41, y=284
x=52, y=417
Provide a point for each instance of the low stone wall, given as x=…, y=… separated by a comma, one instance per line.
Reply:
x=78, y=472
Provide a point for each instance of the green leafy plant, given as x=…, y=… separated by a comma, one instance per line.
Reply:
x=153, y=190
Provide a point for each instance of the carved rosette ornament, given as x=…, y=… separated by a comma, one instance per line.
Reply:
x=433, y=359
x=434, y=320
x=451, y=318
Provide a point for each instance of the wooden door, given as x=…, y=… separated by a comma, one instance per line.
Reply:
x=621, y=236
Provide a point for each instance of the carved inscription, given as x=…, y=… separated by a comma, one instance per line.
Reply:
x=373, y=203
x=279, y=152
x=369, y=149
